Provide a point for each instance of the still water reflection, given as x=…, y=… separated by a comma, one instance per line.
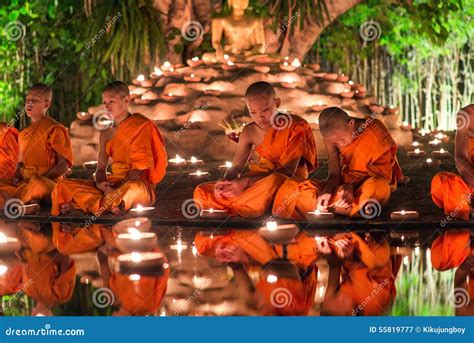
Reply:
x=133, y=268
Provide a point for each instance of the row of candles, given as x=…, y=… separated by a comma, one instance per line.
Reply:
x=434, y=161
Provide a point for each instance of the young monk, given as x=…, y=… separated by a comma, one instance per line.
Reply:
x=363, y=167
x=8, y=151
x=285, y=147
x=139, y=160
x=453, y=193
x=45, y=152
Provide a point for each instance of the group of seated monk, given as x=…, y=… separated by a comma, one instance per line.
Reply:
x=362, y=162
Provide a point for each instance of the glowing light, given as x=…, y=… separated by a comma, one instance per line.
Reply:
x=134, y=234
x=272, y=278
x=141, y=78
x=134, y=277
x=136, y=257
x=157, y=71
x=272, y=225
x=296, y=63
x=429, y=160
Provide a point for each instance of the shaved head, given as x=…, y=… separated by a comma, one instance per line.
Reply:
x=332, y=118
x=260, y=89
x=118, y=87
x=42, y=90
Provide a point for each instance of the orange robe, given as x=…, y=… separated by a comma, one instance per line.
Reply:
x=298, y=297
x=278, y=148
x=451, y=193
x=8, y=151
x=78, y=239
x=39, y=144
x=10, y=282
x=137, y=144
x=32, y=237
x=368, y=279
x=450, y=249
x=45, y=284
x=370, y=161
x=142, y=297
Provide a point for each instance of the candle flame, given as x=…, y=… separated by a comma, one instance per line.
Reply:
x=3, y=238
x=198, y=173
x=296, y=63
x=272, y=225
x=441, y=150
x=351, y=82
x=417, y=151
x=134, y=234
x=429, y=160
x=230, y=63
x=285, y=64
x=416, y=144
x=141, y=78
x=195, y=59
x=136, y=257
x=137, y=223
x=139, y=208
x=157, y=71
x=226, y=57
x=167, y=64
x=3, y=269
x=170, y=94
x=193, y=159
x=402, y=212
x=134, y=277
x=192, y=75
x=228, y=164
x=317, y=212
x=272, y=278
x=319, y=103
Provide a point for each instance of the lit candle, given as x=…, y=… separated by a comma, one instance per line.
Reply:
x=142, y=210
x=178, y=160
x=278, y=234
x=195, y=59
x=166, y=65
x=351, y=83
x=141, y=78
x=342, y=78
x=8, y=245
x=212, y=213
x=226, y=57
x=194, y=62
x=319, y=215
x=296, y=63
x=319, y=106
x=90, y=165
x=391, y=109
x=424, y=132
x=137, y=264
x=434, y=142
x=194, y=160
x=431, y=164
x=404, y=215
x=416, y=145
x=198, y=175
x=287, y=67
x=141, y=224
x=347, y=93
x=441, y=153
x=405, y=126
x=157, y=72
x=416, y=153
x=136, y=241
x=225, y=166
x=442, y=137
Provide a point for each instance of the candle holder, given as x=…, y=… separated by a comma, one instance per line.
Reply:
x=192, y=78
x=285, y=66
x=229, y=65
x=169, y=97
x=199, y=175
x=431, y=164
x=289, y=85
x=140, y=211
x=319, y=106
x=405, y=126
x=442, y=137
x=90, y=165
x=313, y=66
x=212, y=92
x=347, y=94
x=141, y=224
x=342, y=78
x=145, y=264
x=194, y=62
x=194, y=161
x=212, y=213
x=416, y=145
x=8, y=245
x=262, y=69
x=177, y=161
x=84, y=116
x=330, y=77
x=278, y=234
x=417, y=153
x=225, y=166
x=441, y=153
x=136, y=241
x=404, y=215
x=435, y=142
x=318, y=215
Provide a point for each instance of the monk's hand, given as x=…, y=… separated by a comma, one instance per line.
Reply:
x=234, y=188
x=105, y=186
x=344, y=248
x=346, y=195
x=323, y=246
x=220, y=188
x=323, y=202
x=231, y=254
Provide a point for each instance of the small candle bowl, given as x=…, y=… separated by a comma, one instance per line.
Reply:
x=435, y=142
x=441, y=153
x=212, y=213
x=390, y=109
x=212, y=92
x=442, y=137
x=281, y=234
x=8, y=245
x=229, y=66
x=90, y=165
x=141, y=224
x=347, y=94
x=225, y=166
x=169, y=97
x=287, y=66
x=318, y=215
x=146, y=263
x=83, y=116
x=177, y=161
x=194, y=161
x=318, y=107
x=194, y=62
x=136, y=241
x=199, y=175
x=431, y=164
x=405, y=126
x=415, y=145
x=141, y=211
x=262, y=69
x=30, y=209
x=289, y=85
x=404, y=215
x=342, y=78
x=192, y=78
x=330, y=77
x=417, y=153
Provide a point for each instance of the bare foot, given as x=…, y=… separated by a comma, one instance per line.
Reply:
x=66, y=208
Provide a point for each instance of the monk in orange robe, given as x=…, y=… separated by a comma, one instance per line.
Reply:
x=139, y=162
x=45, y=152
x=51, y=278
x=450, y=249
x=285, y=147
x=70, y=239
x=362, y=283
x=251, y=250
x=453, y=193
x=8, y=151
x=363, y=169
x=33, y=237
x=137, y=295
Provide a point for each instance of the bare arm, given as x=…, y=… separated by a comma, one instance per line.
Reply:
x=334, y=166
x=242, y=154
x=59, y=169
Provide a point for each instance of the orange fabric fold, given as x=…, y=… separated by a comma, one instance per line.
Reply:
x=450, y=249
x=451, y=193
x=277, y=149
x=8, y=151
x=11, y=281
x=76, y=240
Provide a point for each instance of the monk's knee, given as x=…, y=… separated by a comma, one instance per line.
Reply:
x=377, y=188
